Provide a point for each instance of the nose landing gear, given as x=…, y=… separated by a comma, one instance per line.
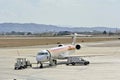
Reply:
x=41, y=64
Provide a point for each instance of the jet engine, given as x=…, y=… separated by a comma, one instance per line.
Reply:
x=77, y=46
x=60, y=45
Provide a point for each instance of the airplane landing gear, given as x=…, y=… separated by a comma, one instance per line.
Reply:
x=41, y=65
x=53, y=62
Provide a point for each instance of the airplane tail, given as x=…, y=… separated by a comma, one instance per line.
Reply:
x=77, y=46
x=74, y=39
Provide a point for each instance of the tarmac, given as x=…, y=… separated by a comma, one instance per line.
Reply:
x=104, y=64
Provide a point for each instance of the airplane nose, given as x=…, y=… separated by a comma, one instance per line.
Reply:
x=41, y=58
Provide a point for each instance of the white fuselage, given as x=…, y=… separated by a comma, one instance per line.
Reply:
x=55, y=53
x=62, y=52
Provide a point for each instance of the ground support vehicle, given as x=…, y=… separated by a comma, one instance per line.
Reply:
x=22, y=63
x=76, y=60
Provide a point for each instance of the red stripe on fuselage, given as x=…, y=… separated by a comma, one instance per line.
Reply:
x=62, y=49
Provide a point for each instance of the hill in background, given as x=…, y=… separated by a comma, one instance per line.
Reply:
x=40, y=28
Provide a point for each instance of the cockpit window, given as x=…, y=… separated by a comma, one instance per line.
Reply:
x=41, y=53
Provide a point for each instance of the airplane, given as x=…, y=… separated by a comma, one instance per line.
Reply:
x=61, y=52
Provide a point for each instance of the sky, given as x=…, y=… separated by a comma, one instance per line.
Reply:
x=73, y=13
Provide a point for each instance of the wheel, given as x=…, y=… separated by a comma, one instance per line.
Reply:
x=41, y=65
x=73, y=63
x=50, y=64
x=67, y=64
x=31, y=65
x=55, y=62
x=86, y=63
x=15, y=68
x=20, y=67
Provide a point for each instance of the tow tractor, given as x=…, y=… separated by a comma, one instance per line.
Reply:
x=22, y=63
x=76, y=60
